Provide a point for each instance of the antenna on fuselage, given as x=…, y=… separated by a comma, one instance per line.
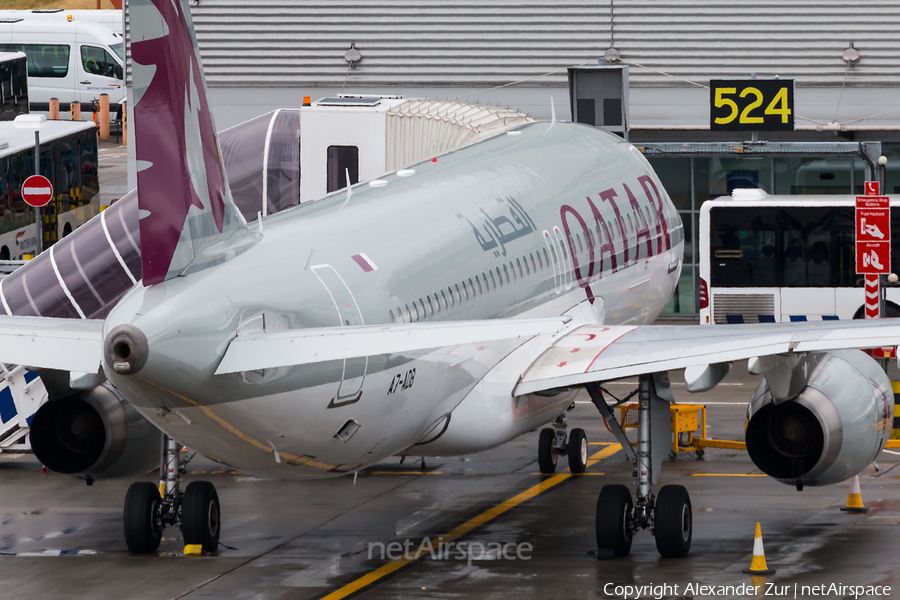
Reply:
x=349, y=189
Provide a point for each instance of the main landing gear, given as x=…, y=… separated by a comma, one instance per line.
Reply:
x=667, y=514
x=196, y=510
x=553, y=443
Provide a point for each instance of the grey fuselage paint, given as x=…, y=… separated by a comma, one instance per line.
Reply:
x=546, y=220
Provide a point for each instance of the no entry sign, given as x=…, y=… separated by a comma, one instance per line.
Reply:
x=37, y=191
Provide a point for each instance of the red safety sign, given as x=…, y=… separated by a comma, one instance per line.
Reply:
x=873, y=188
x=873, y=225
x=873, y=232
x=37, y=191
x=873, y=258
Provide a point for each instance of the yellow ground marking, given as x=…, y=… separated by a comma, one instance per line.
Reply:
x=574, y=475
x=728, y=475
x=404, y=473
x=605, y=453
x=473, y=523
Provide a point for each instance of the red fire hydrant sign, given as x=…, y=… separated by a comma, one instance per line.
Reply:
x=873, y=233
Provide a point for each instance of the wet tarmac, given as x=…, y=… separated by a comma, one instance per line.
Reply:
x=523, y=535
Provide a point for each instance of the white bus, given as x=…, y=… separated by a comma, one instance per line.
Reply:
x=766, y=259
x=69, y=61
x=68, y=160
x=108, y=18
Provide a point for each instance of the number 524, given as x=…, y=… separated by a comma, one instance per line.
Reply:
x=752, y=99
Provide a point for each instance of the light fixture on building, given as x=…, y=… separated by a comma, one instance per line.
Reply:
x=851, y=55
x=352, y=55
x=612, y=56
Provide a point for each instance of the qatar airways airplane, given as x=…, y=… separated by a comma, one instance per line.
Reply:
x=443, y=309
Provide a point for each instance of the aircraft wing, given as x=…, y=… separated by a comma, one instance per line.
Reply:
x=597, y=353
x=41, y=342
x=259, y=350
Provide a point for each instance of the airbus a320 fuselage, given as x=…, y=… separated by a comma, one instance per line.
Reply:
x=549, y=219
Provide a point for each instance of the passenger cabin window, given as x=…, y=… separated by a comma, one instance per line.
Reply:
x=44, y=60
x=340, y=160
x=97, y=61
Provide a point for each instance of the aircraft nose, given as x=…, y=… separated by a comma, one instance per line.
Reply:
x=126, y=349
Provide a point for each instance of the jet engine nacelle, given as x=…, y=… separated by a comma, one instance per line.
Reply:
x=832, y=430
x=94, y=434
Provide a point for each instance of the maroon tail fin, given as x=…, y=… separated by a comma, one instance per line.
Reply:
x=186, y=209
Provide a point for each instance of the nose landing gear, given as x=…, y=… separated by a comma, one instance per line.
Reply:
x=668, y=515
x=552, y=443
x=149, y=509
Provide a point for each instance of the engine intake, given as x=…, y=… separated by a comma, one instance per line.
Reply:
x=833, y=429
x=94, y=434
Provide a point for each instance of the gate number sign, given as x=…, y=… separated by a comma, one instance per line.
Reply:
x=751, y=105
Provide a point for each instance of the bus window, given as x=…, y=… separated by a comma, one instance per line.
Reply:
x=787, y=246
x=97, y=61
x=44, y=60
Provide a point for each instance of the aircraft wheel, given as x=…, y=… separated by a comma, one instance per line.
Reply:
x=143, y=528
x=577, y=451
x=200, y=515
x=546, y=451
x=613, y=524
x=674, y=521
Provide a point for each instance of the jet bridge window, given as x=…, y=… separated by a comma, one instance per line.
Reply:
x=342, y=159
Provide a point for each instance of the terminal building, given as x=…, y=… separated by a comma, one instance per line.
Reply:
x=260, y=56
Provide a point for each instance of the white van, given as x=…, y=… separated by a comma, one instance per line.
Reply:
x=72, y=61
x=109, y=18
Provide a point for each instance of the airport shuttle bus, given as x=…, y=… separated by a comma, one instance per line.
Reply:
x=783, y=258
x=13, y=85
x=68, y=160
x=69, y=61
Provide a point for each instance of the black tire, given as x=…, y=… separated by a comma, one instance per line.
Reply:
x=546, y=452
x=614, y=519
x=200, y=515
x=142, y=528
x=892, y=311
x=577, y=451
x=674, y=521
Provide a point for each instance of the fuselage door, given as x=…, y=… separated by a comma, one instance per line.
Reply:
x=347, y=314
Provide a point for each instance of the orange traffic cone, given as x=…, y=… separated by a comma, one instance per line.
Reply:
x=758, y=564
x=854, y=500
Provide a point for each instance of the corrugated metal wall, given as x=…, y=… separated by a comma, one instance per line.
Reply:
x=490, y=42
